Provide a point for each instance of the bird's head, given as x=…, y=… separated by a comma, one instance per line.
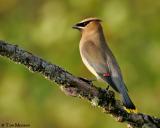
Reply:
x=88, y=23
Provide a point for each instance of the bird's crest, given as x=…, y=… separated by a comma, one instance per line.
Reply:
x=80, y=25
x=90, y=19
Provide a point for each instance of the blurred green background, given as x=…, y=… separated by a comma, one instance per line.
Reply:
x=43, y=27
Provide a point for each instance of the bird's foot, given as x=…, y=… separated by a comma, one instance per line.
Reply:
x=107, y=88
x=89, y=81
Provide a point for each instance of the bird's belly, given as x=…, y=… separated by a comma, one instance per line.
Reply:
x=89, y=67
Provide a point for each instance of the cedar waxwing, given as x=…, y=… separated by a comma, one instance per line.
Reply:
x=98, y=58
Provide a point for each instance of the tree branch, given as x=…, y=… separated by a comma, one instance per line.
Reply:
x=78, y=87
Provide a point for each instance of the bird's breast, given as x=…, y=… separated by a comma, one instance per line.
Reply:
x=90, y=68
x=87, y=64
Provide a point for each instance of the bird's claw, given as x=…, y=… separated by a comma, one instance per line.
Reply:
x=107, y=88
x=87, y=80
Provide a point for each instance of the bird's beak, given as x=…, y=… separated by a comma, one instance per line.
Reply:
x=75, y=26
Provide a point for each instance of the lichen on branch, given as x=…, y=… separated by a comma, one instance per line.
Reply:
x=77, y=87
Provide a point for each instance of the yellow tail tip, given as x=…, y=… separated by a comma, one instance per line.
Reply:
x=131, y=110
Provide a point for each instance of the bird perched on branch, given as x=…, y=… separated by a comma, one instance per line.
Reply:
x=99, y=59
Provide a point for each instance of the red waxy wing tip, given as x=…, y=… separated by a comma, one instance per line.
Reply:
x=107, y=74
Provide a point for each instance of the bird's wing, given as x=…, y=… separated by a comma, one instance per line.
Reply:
x=93, y=54
x=98, y=61
x=116, y=72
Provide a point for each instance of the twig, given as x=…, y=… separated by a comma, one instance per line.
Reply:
x=78, y=87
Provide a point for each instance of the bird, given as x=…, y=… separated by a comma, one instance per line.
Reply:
x=99, y=59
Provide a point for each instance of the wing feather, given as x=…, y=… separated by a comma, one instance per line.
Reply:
x=96, y=62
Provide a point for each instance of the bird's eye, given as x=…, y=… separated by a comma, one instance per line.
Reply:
x=83, y=24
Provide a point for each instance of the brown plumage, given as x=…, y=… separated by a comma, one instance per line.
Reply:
x=99, y=59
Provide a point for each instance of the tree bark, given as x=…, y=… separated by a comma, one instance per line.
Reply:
x=78, y=87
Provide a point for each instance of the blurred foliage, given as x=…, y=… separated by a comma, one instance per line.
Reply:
x=44, y=28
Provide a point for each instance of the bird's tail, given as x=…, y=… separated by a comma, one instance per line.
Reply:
x=129, y=106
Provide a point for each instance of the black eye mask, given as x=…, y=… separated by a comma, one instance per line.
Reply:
x=83, y=24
